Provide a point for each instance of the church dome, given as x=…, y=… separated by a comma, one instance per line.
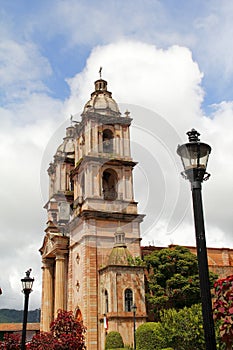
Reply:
x=101, y=101
x=119, y=255
x=67, y=147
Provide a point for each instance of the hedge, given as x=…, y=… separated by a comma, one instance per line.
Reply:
x=150, y=336
x=114, y=341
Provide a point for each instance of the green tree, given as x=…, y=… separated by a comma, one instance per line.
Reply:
x=172, y=279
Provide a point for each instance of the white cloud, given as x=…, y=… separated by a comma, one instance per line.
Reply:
x=214, y=31
x=22, y=69
x=101, y=23
x=28, y=117
x=206, y=28
x=25, y=131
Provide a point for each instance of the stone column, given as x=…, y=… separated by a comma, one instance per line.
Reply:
x=47, y=294
x=100, y=141
x=59, y=302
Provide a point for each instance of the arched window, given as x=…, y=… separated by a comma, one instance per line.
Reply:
x=109, y=185
x=106, y=301
x=128, y=300
x=107, y=141
x=78, y=315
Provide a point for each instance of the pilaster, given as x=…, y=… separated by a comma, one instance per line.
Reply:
x=47, y=294
x=59, y=302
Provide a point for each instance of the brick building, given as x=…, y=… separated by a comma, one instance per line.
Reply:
x=93, y=228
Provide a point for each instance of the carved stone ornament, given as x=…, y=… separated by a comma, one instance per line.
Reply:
x=78, y=258
x=77, y=286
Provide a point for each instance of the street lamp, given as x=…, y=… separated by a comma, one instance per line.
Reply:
x=134, y=309
x=194, y=156
x=27, y=283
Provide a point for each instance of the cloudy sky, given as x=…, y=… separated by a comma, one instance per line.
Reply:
x=168, y=62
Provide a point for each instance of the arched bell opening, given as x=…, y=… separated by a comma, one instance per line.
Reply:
x=109, y=185
x=107, y=141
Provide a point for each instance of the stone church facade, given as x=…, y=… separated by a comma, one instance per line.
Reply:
x=93, y=229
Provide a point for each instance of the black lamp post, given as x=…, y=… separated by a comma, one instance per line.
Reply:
x=27, y=283
x=194, y=156
x=134, y=309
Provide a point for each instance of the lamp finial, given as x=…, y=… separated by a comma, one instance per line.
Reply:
x=193, y=135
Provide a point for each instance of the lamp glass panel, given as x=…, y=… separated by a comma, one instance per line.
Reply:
x=27, y=284
x=194, y=155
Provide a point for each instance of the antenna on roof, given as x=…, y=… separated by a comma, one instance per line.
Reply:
x=100, y=72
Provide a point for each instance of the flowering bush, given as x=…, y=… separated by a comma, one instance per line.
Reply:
x=42, y=341
x=223, y=309
x=10, y=342
x=66, y=333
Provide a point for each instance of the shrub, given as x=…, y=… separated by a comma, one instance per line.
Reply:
x=66, y=333
x=223, y=309
x=184, y=328
x=150, y=336
x=42, y=341
x=113, y=341
x=10, y=342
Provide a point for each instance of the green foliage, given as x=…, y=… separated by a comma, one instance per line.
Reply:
x=150, y=336
x=172, y=279
x=135, y=261
x=113, y=341
x=181, y=330
x=223, y=309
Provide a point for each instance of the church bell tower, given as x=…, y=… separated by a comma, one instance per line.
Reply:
x=91, y=248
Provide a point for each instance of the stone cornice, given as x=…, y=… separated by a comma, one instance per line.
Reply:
x=100, y=238
x=101, y=119
x=99, y=215
x=107, y=160
x=122, y=315
x=117, y=268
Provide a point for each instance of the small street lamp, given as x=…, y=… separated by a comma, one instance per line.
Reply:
x=27, y=283
x=134, y=309
x=194, y=156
